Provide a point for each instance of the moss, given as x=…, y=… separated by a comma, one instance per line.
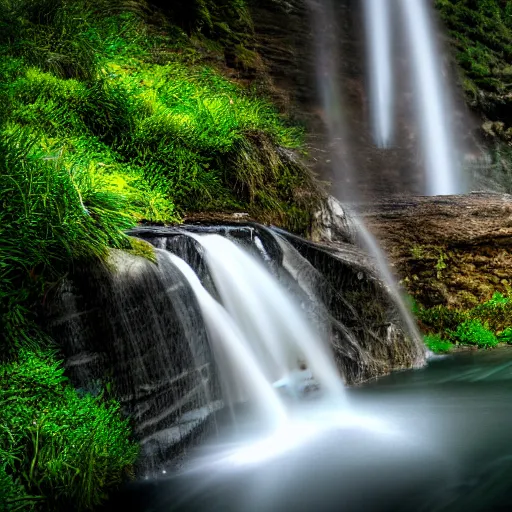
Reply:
x=481, y=33
x=142, y=248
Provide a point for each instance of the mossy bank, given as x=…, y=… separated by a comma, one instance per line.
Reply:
x=453, y=256
x=113, y=114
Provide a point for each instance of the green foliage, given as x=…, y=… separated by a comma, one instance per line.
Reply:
x=440, y=318
x=482, y=33
x=53, y=212
x=86, y=151
x=440, y=264
x=496, y=313
x=437, y=344
x=484, y=325
x=189, y=136
x=473, y=332
x=12, y=493
x=61, y=450
x=505, y=336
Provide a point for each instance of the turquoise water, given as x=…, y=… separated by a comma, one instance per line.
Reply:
x=431, y=440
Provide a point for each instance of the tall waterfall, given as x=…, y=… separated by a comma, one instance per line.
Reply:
x=432, y=101
x=323, y=14
x=430, y=93
x=380, y=64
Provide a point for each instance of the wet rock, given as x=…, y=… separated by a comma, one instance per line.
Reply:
x=331, y=223
x=137, y=325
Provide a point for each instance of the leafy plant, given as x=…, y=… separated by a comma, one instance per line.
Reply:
x=437, y=344
x=496, y=312
x=505, y=336
x=440, y=318
x=473, y=332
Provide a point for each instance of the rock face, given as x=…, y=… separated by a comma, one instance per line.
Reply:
x=118, y=324
x=137, y=324
x=451, y=250
x=287, y=39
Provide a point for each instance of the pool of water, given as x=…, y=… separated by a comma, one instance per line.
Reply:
x=437, y=439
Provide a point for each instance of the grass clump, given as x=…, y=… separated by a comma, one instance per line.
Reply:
x=61, y=450
x=53, y=212
x=473, y=332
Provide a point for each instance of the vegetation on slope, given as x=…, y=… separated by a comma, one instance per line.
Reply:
x=58, y=450
x=109, y=117
x=484, y=325
x=481, y=31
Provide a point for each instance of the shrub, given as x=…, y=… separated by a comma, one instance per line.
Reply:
x=63, y=449
x=505, y=336
x=437, y=344
x=473, y=332
x=440, y=318
x=496, y=312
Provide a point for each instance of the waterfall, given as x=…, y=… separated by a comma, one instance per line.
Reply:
x=276, y=329
x=323, y=13
x=257, y=321
x=431, y=100
x=430, y=93
x=380, y=65
x=240, y=373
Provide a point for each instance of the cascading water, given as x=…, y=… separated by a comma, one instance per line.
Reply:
x=243, y=378
x=430, y=95
x=431, y=100
x=380, y=64
x=274, y=327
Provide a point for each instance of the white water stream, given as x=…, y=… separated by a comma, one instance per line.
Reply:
x=275, y=328
x=430, y=91
x=380, y=64
x=431, y=100
x=268, y=353
x=242, y=377
x=270, y=356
